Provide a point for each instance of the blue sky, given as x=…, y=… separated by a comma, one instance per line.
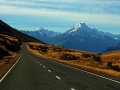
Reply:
x=60, y=15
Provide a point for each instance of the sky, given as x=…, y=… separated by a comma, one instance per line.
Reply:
x=61, y=15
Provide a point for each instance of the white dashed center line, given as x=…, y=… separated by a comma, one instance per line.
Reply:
x=44, y=67
x=41, y=64
x=49, y=70
x=72, y=89
x=58, y=77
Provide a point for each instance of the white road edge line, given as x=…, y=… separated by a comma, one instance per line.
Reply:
x=10, y=69
x=49, y=71
x=58, y=77
x=90, y=73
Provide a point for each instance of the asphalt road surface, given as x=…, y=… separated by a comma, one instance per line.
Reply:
x=35, y=73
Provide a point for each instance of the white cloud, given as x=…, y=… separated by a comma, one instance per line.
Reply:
x=65, y=15
x=33, y=4
x=94, y=6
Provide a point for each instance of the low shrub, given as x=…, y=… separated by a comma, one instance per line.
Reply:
x=67, y=56
x=3, y=53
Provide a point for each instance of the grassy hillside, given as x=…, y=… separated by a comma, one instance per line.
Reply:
x=8, y=30
x=10, y=49
x=112, y=60
x=106, y=63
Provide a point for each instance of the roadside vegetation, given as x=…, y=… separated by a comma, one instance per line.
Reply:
x=106, y=63
x=10, y=48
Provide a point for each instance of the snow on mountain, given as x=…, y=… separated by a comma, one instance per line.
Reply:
x=46, y=32
x=83, y=37
x=80, y=36
x=93, y=32
x=79, y=26
x=42, y=34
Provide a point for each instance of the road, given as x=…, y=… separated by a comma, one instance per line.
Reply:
x=35, y=73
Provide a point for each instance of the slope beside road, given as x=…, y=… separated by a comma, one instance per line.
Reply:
x=35, y=73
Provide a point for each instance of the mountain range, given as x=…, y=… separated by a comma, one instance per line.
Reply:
x=80, y=37
x=42, y=34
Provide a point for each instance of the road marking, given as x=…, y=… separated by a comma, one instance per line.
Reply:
x=36, y=61
x=58, y=77
x=10, y=69
x=44, y=67
x=49, y=71
x=95, y=75
x=72, y=89
x=40, y=64
x=90, y=73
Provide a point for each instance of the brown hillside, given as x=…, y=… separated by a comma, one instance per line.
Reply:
x=8, y=30
x=9, y=52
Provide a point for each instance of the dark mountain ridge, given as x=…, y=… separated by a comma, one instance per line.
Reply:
x=8, y=30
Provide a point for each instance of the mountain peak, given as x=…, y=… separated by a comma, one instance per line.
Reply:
x=83, y=24
x=80, y=25
x=41, y=29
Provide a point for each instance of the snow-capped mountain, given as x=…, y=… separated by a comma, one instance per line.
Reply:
x=48, y=33
x=93, y=32
x=81, y=26
x=83, y=37
x=42, y=34
x=80, y=37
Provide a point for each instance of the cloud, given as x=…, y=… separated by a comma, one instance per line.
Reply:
x=90, y=6
x=65, y=15
x=56, y=13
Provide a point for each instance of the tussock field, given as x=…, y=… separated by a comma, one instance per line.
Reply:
x=9, y=52
x=106, y=63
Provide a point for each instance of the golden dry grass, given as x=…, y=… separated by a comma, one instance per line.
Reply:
x=7, y=57
x=7, y=62
x=112, y=57
x=9, y=37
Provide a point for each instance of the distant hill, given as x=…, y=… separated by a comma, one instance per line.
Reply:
x=8, y=30
x=117, y=47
